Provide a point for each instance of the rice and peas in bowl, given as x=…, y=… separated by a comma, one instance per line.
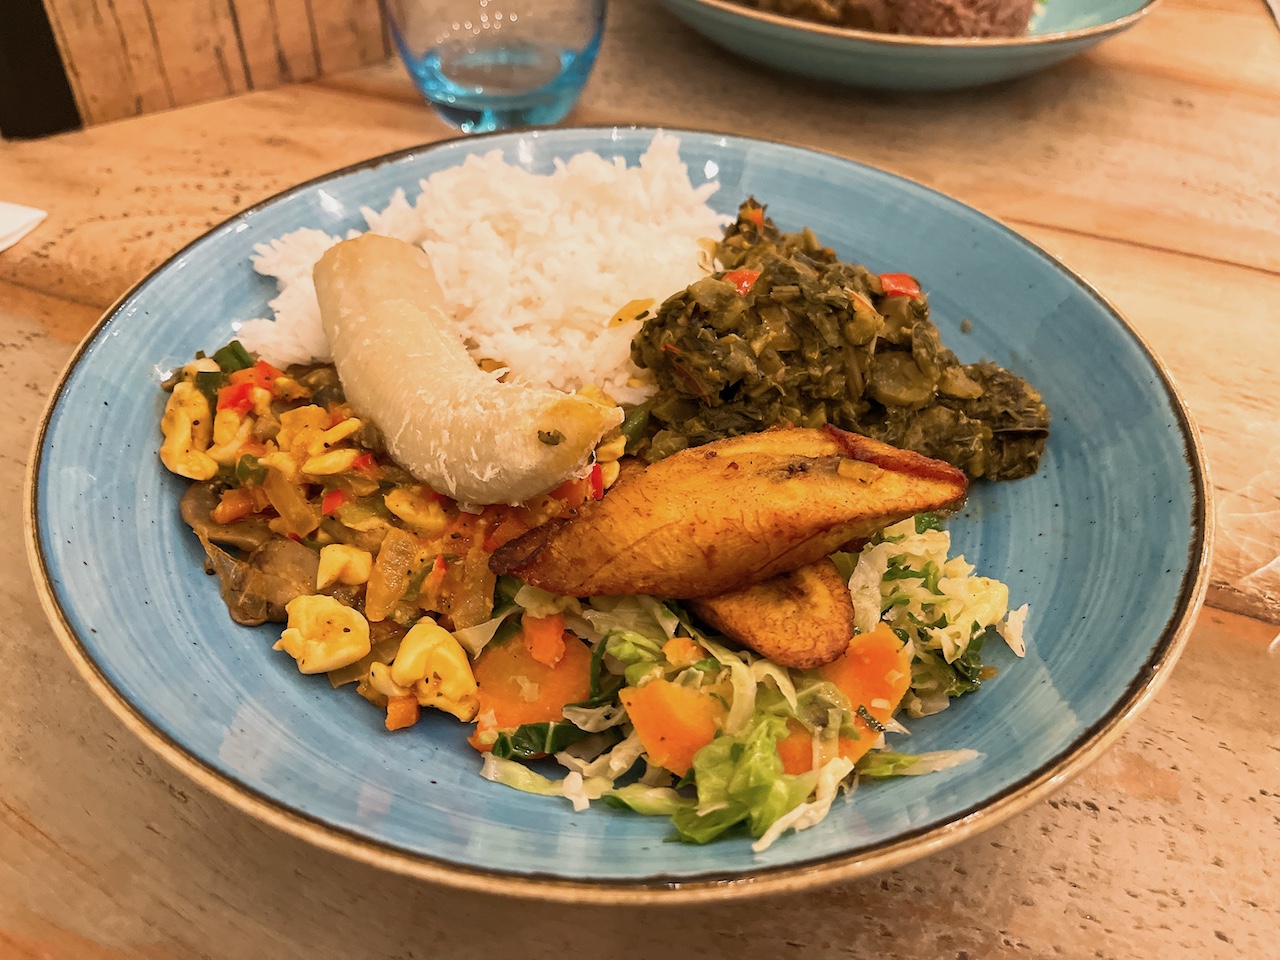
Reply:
x=388, y=583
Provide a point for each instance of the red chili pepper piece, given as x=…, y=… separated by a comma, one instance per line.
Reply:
x=261, y=374
x=236, y=396
x=597, y=482
x=366, y=466
x=899, y=285
x=742, y=280
x=333, y=500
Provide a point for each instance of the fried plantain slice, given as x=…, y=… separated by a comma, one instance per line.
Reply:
x=718, y=517
x=800, y=619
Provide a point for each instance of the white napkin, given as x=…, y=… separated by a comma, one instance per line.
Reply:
x=16, y=222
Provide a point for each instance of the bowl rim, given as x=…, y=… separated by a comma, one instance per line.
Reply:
x=800, y=25
x=657, y=889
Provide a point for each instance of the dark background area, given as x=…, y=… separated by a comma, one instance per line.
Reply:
x=35, y=97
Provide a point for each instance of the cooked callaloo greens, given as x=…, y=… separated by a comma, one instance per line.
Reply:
x=786, y=333
x=721, y=630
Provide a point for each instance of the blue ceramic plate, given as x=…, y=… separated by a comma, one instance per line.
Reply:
x=860, y=58
x=1107, y=543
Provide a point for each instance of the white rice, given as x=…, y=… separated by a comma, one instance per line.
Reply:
x=532, y=267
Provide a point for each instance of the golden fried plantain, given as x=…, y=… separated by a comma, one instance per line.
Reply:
x=718, y=517
x=800, y=619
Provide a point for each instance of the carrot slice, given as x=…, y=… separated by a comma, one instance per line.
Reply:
x=515, y=688
x=796, y=749
x=402, y=712
x=874, y=673
x=683, y=651
x=235, y=504
x=673, y=722
x=544, y=636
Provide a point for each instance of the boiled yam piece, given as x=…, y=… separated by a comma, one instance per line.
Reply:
x=452, y=425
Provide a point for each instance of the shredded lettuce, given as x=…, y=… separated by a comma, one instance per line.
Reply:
x=935, y=600
x=744, y=685
x=1011, y=630
x=880, y=764
x=610, y=765
x=781, y=677
x=540, y=603
x=595, y=719
x=518, y=777
x=474, y=639
x=639, y=614
x=805, y=815
x=639, y=656
x=935, y=604
x=650, y=801
x=574, y=786
x=740, y=780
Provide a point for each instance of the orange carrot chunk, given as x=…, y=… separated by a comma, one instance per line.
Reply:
x=683, y=651
x=796, y=749
x=515, y=688
x=544, y=636
x=402, y=712
x=874, y=673
x=673, y=722
x=235, y=504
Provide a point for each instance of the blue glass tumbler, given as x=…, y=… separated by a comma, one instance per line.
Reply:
x=494, y=64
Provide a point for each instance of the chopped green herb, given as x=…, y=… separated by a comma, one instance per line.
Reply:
x=927, y=521
x=249, y=470
x=634, y=424
x=209, y=382
x=869, y=720
x=536, y=739
x=233, y=357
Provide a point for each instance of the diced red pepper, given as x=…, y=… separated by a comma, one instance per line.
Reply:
x=597, y=482
x=742, y=280
x=366, y=466
x=333, y=500
x=899, y=285
x=261, y=374
x=578, y=490
x=755, y=215
x=237, y=397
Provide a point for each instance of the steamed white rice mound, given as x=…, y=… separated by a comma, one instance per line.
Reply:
x=532, y=267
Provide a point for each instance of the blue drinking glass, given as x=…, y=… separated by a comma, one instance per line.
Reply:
x=493, y=64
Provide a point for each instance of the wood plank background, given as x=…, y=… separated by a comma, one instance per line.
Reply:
x=128, y=57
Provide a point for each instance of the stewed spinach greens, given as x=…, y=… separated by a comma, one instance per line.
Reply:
x=786, y=333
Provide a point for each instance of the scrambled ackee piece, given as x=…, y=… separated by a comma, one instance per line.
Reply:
x=306, y=519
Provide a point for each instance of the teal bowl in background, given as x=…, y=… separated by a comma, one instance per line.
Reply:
x=1059, y=30
x=1108, y=543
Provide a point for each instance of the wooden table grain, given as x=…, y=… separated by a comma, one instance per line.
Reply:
x=1151, y=166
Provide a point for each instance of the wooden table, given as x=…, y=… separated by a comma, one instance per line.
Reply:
x=1151, y=165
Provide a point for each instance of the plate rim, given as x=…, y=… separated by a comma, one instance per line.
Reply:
x=901, y=41
x=655, y=889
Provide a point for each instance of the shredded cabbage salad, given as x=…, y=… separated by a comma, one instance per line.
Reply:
x=781, y=744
